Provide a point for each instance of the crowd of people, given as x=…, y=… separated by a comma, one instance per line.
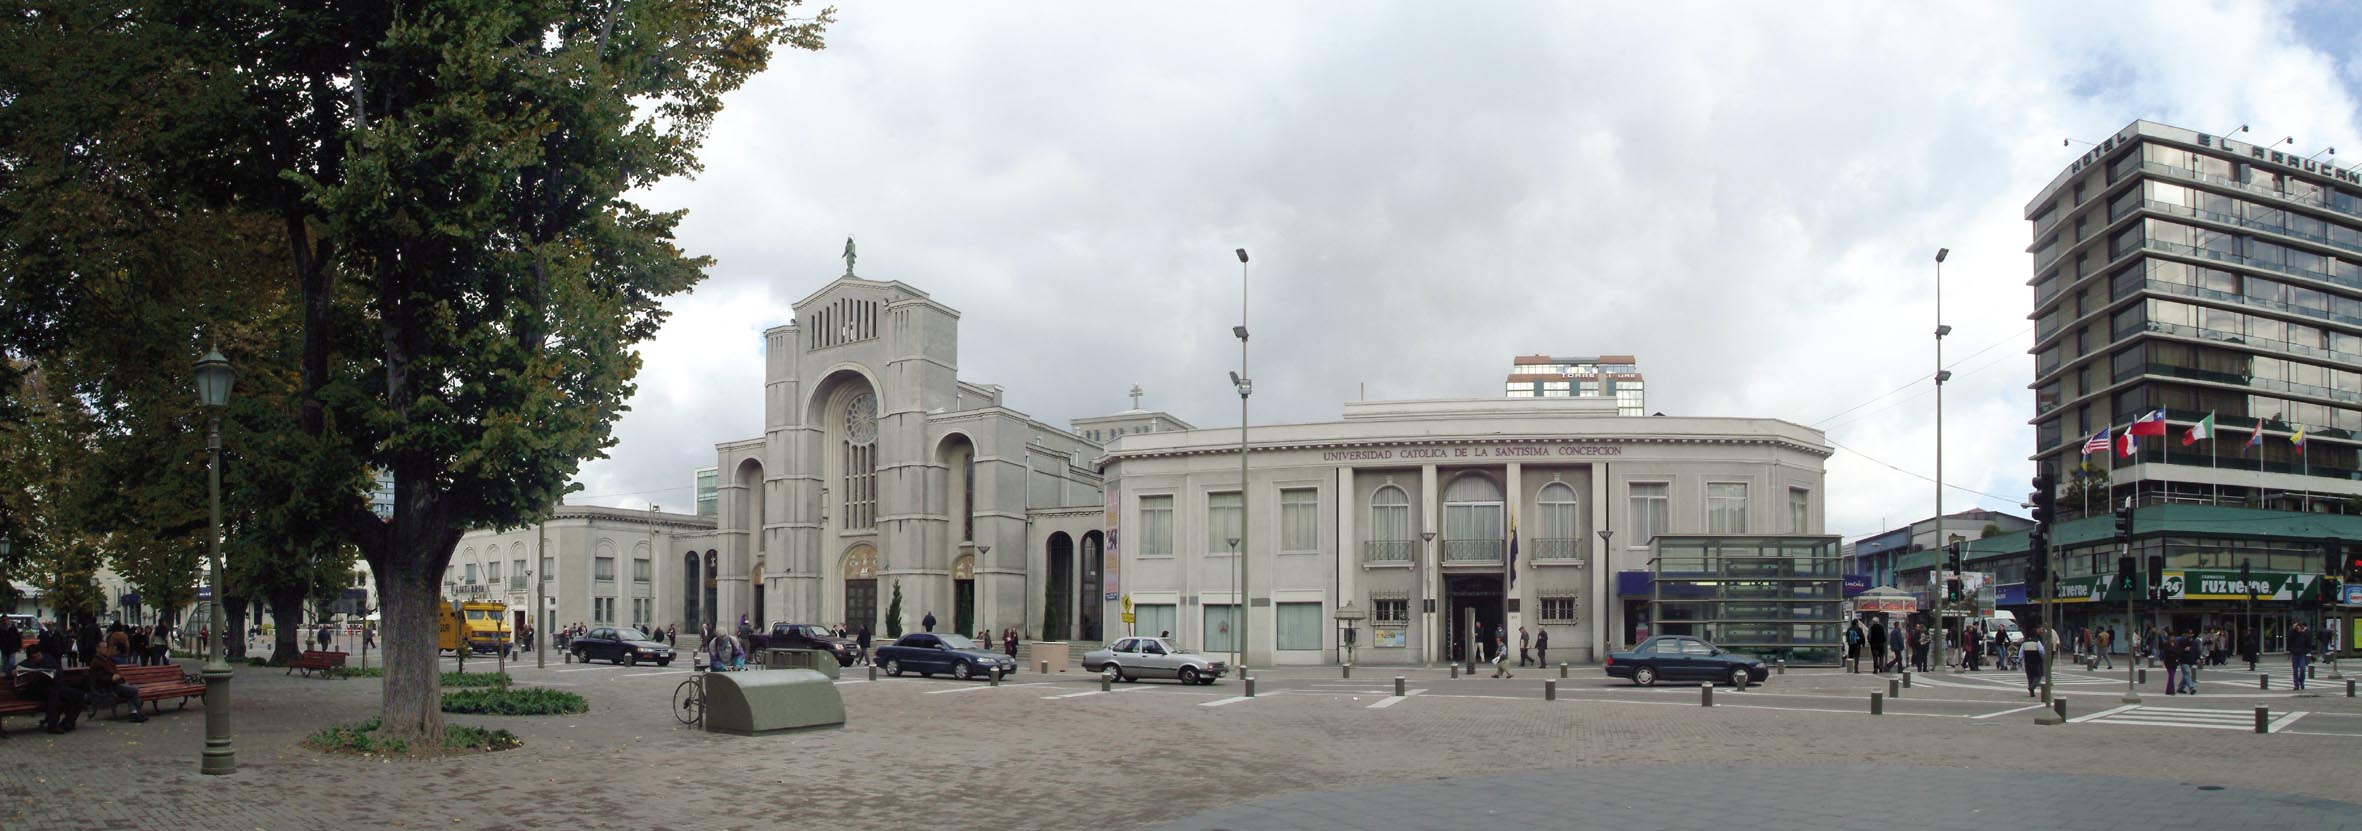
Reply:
x=79, y=646
x=45, y=674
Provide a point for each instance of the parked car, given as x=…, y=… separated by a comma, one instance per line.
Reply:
x=1683, y=658
x=625, y=645
x=927, y=653
x=1135, y=658
x=809, y=636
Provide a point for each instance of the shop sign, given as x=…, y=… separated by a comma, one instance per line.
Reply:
x=2353, y=594
x=1512, y=451
x=2197, y=584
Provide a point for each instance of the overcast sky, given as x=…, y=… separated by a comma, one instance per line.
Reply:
x=1748, y=198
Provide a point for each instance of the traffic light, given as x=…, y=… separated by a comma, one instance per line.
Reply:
x=2334, y=550
x=2157, y=576
x=2247, y=580
x=1952, y=558
x=1952, y=589
x=2330, y=589
x=2124, y=524
x=2045, y=501
x=2125, y=579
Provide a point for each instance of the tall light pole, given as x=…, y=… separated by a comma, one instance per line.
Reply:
x=539, y=574
x=1237, y=576
x=1935, y=583
x=213, y=392
x=1246, y=387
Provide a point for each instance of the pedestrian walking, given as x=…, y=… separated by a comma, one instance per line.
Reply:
x=1501, y=654
x=1853, y=646
x=1877, y=645
x=1523, y=643
x=2186, y=651
x=2105, y=638
x=2169, y=652
x=863, y=643
x=1919, y=648
x=1009, y=640
x=2300, y=651
x=1542, y=646
x=2032, y=653
x=929, y=622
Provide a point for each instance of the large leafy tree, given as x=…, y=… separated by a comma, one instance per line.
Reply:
x=466, y=277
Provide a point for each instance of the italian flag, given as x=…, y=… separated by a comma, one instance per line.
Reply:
x=2204, y=429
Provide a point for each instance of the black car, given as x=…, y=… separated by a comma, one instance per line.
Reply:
x=810, y=636
x=625, y=645
x=926, y=654
x=1683, y=658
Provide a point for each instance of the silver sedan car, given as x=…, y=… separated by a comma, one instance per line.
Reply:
x=1132, y=659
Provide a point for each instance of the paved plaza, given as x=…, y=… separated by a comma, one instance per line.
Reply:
x=1310, y=750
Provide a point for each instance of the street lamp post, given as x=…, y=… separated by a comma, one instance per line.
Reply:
x=1935, y=586
x=540, y=577
x=1246, y=387
x=213, y=392
x=1427, y=592
x=1237, y=576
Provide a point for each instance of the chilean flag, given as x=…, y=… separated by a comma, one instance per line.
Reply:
x=2152, y=424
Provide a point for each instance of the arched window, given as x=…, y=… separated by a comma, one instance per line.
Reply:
x=1558, y=523
x=1390, y=515
x=861, y=461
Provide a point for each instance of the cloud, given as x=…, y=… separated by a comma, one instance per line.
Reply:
x=1746, y=197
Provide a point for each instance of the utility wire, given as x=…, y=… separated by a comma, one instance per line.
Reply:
x=2011, y=500
x=1955, y=363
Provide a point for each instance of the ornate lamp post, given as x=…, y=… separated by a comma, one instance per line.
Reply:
x=213, y=392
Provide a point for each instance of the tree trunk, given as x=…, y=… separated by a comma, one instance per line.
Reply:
x=413, y=679
x=233, y=630
x=287, y=612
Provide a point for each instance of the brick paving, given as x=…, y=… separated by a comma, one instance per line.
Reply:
x=1015, y=757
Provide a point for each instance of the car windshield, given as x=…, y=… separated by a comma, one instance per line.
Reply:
x=956, y=641
x=631, y=635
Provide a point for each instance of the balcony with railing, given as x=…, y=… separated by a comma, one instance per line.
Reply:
x=516, y=584
x=1389, y=552
x=1473, y=552
x=1552, y=549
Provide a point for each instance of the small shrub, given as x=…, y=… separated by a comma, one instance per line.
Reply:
x=527, y=701
x=365, y=672
x=455, y=680
x=356, y=738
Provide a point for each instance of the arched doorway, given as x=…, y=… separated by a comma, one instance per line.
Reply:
x=692, y=590
x=1058, y=599
x=713, y=589
x=1094, y=565
x=761, y=623
x=963, y=594
x=861, y=587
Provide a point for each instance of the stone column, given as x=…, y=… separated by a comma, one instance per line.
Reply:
x=1347, y=565
x=1513, y=587
x=1431, y=647
x=1603, y=566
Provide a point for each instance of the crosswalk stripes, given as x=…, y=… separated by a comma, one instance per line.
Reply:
x=2195, y=717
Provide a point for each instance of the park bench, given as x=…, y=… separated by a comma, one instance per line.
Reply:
x=157, y=683
x=325, y=663
x=12, y=704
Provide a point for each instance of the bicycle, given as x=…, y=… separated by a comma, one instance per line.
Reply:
x=689, y=698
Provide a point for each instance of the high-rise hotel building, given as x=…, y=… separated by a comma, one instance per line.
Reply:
x=1603, y=376
x=2200, y=275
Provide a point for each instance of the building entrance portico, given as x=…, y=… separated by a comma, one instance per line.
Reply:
x=861, y=588
x=1470, y=597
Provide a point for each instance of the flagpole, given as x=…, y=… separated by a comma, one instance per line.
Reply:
x=2214, y=459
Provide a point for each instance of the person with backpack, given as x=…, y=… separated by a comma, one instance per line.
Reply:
x=1853, y=647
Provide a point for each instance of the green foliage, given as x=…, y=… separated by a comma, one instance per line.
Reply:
x=521, y=701
x=894, y=613
x=457, y=680
x=359, y=738
x=1991, y=530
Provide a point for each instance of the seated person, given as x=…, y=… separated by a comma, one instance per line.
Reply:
x=104, y=677
x=36, y=679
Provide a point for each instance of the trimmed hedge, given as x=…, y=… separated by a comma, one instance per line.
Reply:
x=356, y=738
x=456, y=680
x=524, y=701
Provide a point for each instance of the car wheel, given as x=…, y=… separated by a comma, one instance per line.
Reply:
x=894, y=668
x=961, y=671
x=1118, y=669
x=664, y=662
x=1739, y=677
x=1188, y=675
x=1644, y=675
x=631, y=660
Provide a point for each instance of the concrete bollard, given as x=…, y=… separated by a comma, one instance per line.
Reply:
x=873, y=672
x=1706, y=694
x=996, y=676
x=1106, y=681
x=2309, y=672
x=1042, y=666
x=2143, y=675
x=1549, y=689
x=1250, y=687
x=2059, y=705
x=2349, y=688
x=1894, y=688
x=1878, y=704
x=1741, y=686
x=1783, y=667
x=1562, y=669
x=1348, y=670
x=2263, y=682
x=1906, y=679
x=2263, y=718
x=1455, y=670
x=1399, y=682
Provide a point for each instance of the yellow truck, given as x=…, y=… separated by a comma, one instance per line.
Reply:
x=483, y=626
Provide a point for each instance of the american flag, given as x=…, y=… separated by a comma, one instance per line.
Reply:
x=2098, y=443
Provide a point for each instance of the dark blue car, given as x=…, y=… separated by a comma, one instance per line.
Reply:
x=1683, y=658
x=927, y=654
